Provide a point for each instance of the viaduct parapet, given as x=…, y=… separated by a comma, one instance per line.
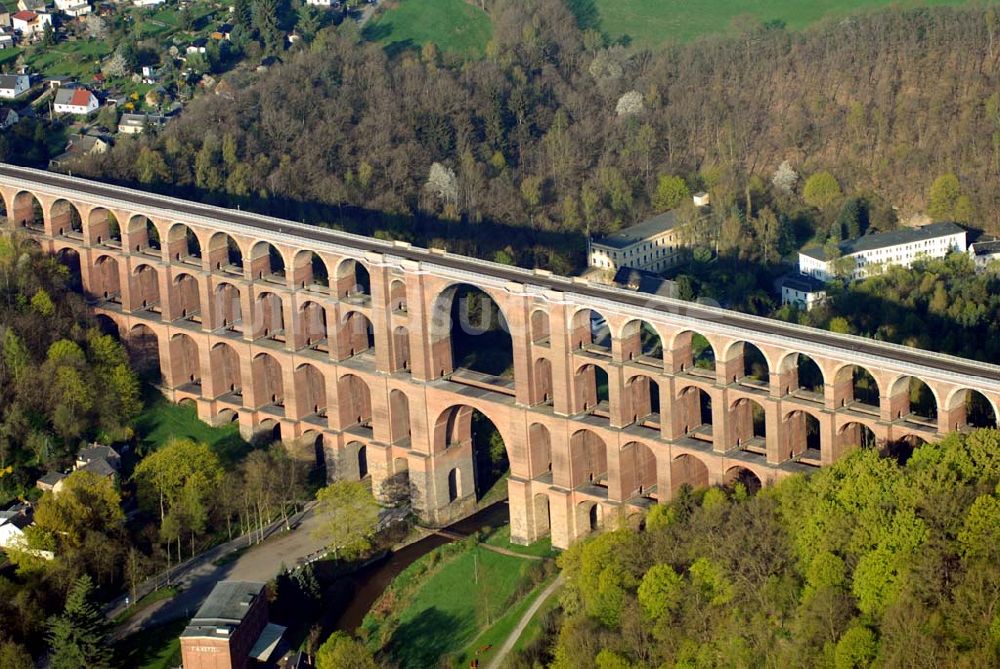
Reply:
x=615, y=401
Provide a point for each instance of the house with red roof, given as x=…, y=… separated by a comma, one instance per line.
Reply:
x=79, y=101
x=29, y=23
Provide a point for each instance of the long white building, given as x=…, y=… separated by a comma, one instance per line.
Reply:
x=871, y=253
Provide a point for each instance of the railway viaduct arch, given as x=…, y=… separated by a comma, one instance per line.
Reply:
x=345, y=342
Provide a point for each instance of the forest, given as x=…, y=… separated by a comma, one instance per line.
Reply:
x=557, y=133
x=868, y=562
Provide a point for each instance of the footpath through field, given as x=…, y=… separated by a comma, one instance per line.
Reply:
x=515, y=634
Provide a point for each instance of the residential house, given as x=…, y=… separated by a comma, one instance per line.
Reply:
x=861, y=257
x=6, y=40
x=8, y=117
x=97, y=452
x=80, y=145
x=12, y=524
x=51, y=482
x=224, y=31
x=13, y=85
x=984, y=253
x=29, y=23
x=4, y=18
x=79, y=101
x=133, y=124
x=199, y=45
x=802, y=290
x=645, y=282
x=74, y=8
x=31, y=5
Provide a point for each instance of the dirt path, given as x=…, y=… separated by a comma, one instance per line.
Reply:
x=522, y=623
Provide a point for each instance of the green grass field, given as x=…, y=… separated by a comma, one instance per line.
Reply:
x=453, y=25
x=436, y=607
x=650, y=23
x=161, y=420
x=153, y=648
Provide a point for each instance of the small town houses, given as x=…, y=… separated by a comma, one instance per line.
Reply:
x=28, y=23
x=13, y=85
x=79, y=101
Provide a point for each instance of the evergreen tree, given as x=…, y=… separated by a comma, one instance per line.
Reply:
x=76, y=638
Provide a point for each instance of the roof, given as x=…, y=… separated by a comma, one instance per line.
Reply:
x=141, y=119
x=11, y=80
x=52, y=478
x=645, y=282
x=100, y=467
x=803, y=282
x=268, y=640
x=97, y=452
x=640, y=231
x=883, y=240
x=224, y=609
x=25, y=15
x=986, y=248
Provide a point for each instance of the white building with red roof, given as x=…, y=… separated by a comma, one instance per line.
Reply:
x=79, y=101
x=30, y=23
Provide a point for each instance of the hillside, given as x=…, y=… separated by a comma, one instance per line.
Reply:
x=535, y=156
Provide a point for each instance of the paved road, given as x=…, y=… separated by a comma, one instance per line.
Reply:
x=516, y=633
x=688, y=310
x=261, y=563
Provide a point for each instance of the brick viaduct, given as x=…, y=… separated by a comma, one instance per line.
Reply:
x=344, y=342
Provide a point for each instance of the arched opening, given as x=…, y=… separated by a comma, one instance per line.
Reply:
x=269, y=389
x=692, y=353
x=105, y=279
x=643, y=395
x=224, y=254
x=642, y=343
x=144, y=352
x=399, y=417
x=185, y=360
x=357, y=335
x=589, y=517
x=183, y=245
x=269, y=317
x=355, y=401
x=70, y=259
x=745, y=477
x=267, y=432
x=901, y=449
x=540, y=331
x=473, y=440
x=543, y=381
x=454, y=485
x=103, y=228
x=747, y=365
x=146, y=288
x=469, y=331
x=397, y=296
x=801, y=376
x=66, y=220
x=856, y=434
x=267, y=263
x=228, y=308
x=539, y=451
x=591, y=390
x=912, y=399
x=637, y=465
x=590, y=332
x=749, y=425
x=687, y=470
x=970, y=408
x=107, y=326
x=802, y=437
x=226, y=372
x=143, y=235
x=312, y=319
x=28, y=212
x=395, y=490
x=310, y=272
x=694, y=408
x=588, y=456
x=401, y=349
x=187, y=298
x=353, y=282
x=856, y=388
x=310, y=393
x=362, y=458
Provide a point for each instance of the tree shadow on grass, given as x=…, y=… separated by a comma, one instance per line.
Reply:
x=585, y=11
x=423, y=641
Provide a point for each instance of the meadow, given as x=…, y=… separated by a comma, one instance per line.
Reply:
x=453, y=25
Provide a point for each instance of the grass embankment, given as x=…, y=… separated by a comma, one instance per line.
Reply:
x=650, y=23
x=162, y=420
x=452, y=601
x=453, y=25
x=152, y=648
x=157, y=595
